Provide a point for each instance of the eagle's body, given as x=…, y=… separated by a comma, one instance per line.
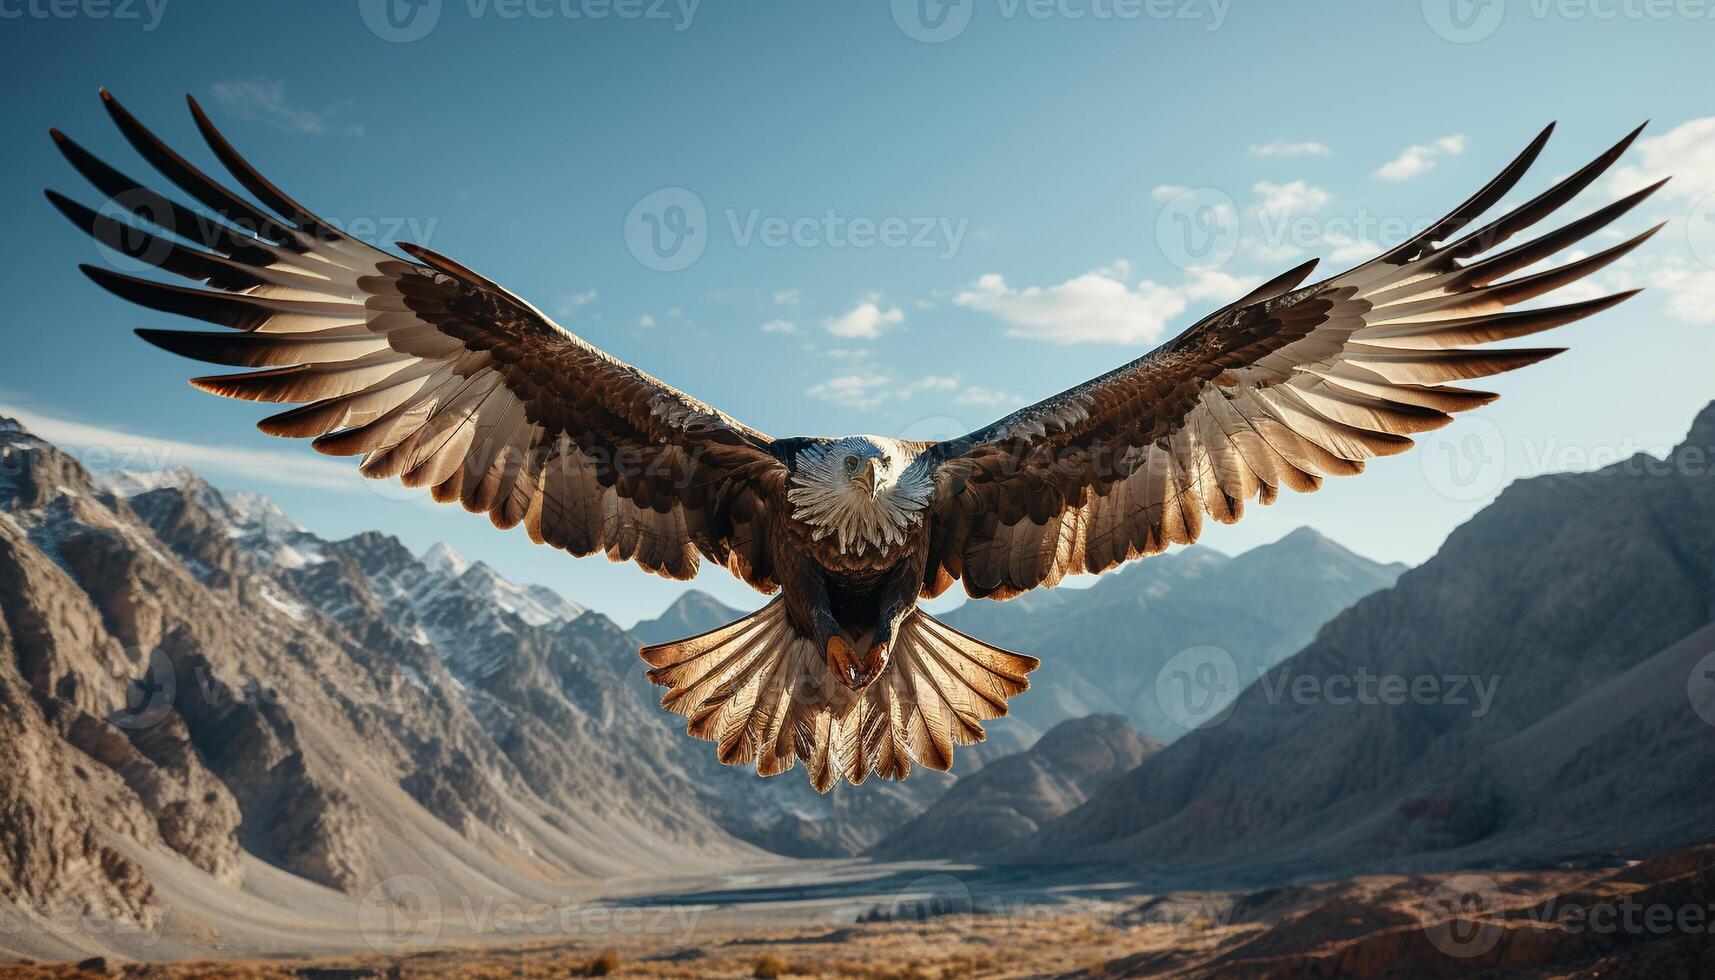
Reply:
x=436, y=375
x=854, y=516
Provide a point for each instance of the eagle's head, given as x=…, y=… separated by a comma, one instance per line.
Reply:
x=865, y=491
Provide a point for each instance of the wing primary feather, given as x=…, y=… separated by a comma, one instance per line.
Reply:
x=257, y=184
x=160, y=210
x=237, y=311
x=196, y=183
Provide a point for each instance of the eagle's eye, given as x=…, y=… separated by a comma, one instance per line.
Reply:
x=851, y=464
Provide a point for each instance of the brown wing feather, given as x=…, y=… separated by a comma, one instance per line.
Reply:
x=1277, y=390
x=434, y=374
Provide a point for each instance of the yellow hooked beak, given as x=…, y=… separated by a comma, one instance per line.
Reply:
x=866, y=477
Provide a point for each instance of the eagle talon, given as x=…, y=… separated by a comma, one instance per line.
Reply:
x=876, y=660
x=842, y=659
x=854, y=672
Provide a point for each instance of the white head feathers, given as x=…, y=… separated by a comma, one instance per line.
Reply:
x=866, y=491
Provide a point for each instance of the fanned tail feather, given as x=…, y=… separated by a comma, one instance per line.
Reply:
x=764, y=696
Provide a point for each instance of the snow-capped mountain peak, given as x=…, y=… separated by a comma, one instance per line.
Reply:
x=135, y=483
x=442, y=558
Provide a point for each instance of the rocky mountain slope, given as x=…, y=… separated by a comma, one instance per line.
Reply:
x=190, y=672
x=191, y=678
x=1536, y=692
x=1009, y=799
x=1103, y=648
x=692, y=613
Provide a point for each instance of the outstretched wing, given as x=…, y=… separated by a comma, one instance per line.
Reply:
x=1277, y=390
x=430, y=372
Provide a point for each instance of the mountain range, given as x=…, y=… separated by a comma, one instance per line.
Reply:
x=1104, y=648
x=1006, y=802
x=196, y=693
x=1540, y=691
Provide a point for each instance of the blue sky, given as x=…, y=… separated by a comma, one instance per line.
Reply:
x=891, y=233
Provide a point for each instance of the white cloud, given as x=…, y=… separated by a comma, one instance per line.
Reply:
x=935, y=382
x=1351, y=251
x=1096, y=307
x=105, y=448
x=645, y=321
x=1690, y=289
x=263, y=99
x=1287, y=148
x=1415, y=160
x=571, y=301
x=1167, y=192
x=866, y=322
x=846, y=353
x=786, y=297
x=1686, y=153
x=780, y=326
x=1294, y=197
x=864, y=390
x=987, y=397
x=869, y=388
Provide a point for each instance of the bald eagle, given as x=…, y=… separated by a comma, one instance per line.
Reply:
x=432, y=373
